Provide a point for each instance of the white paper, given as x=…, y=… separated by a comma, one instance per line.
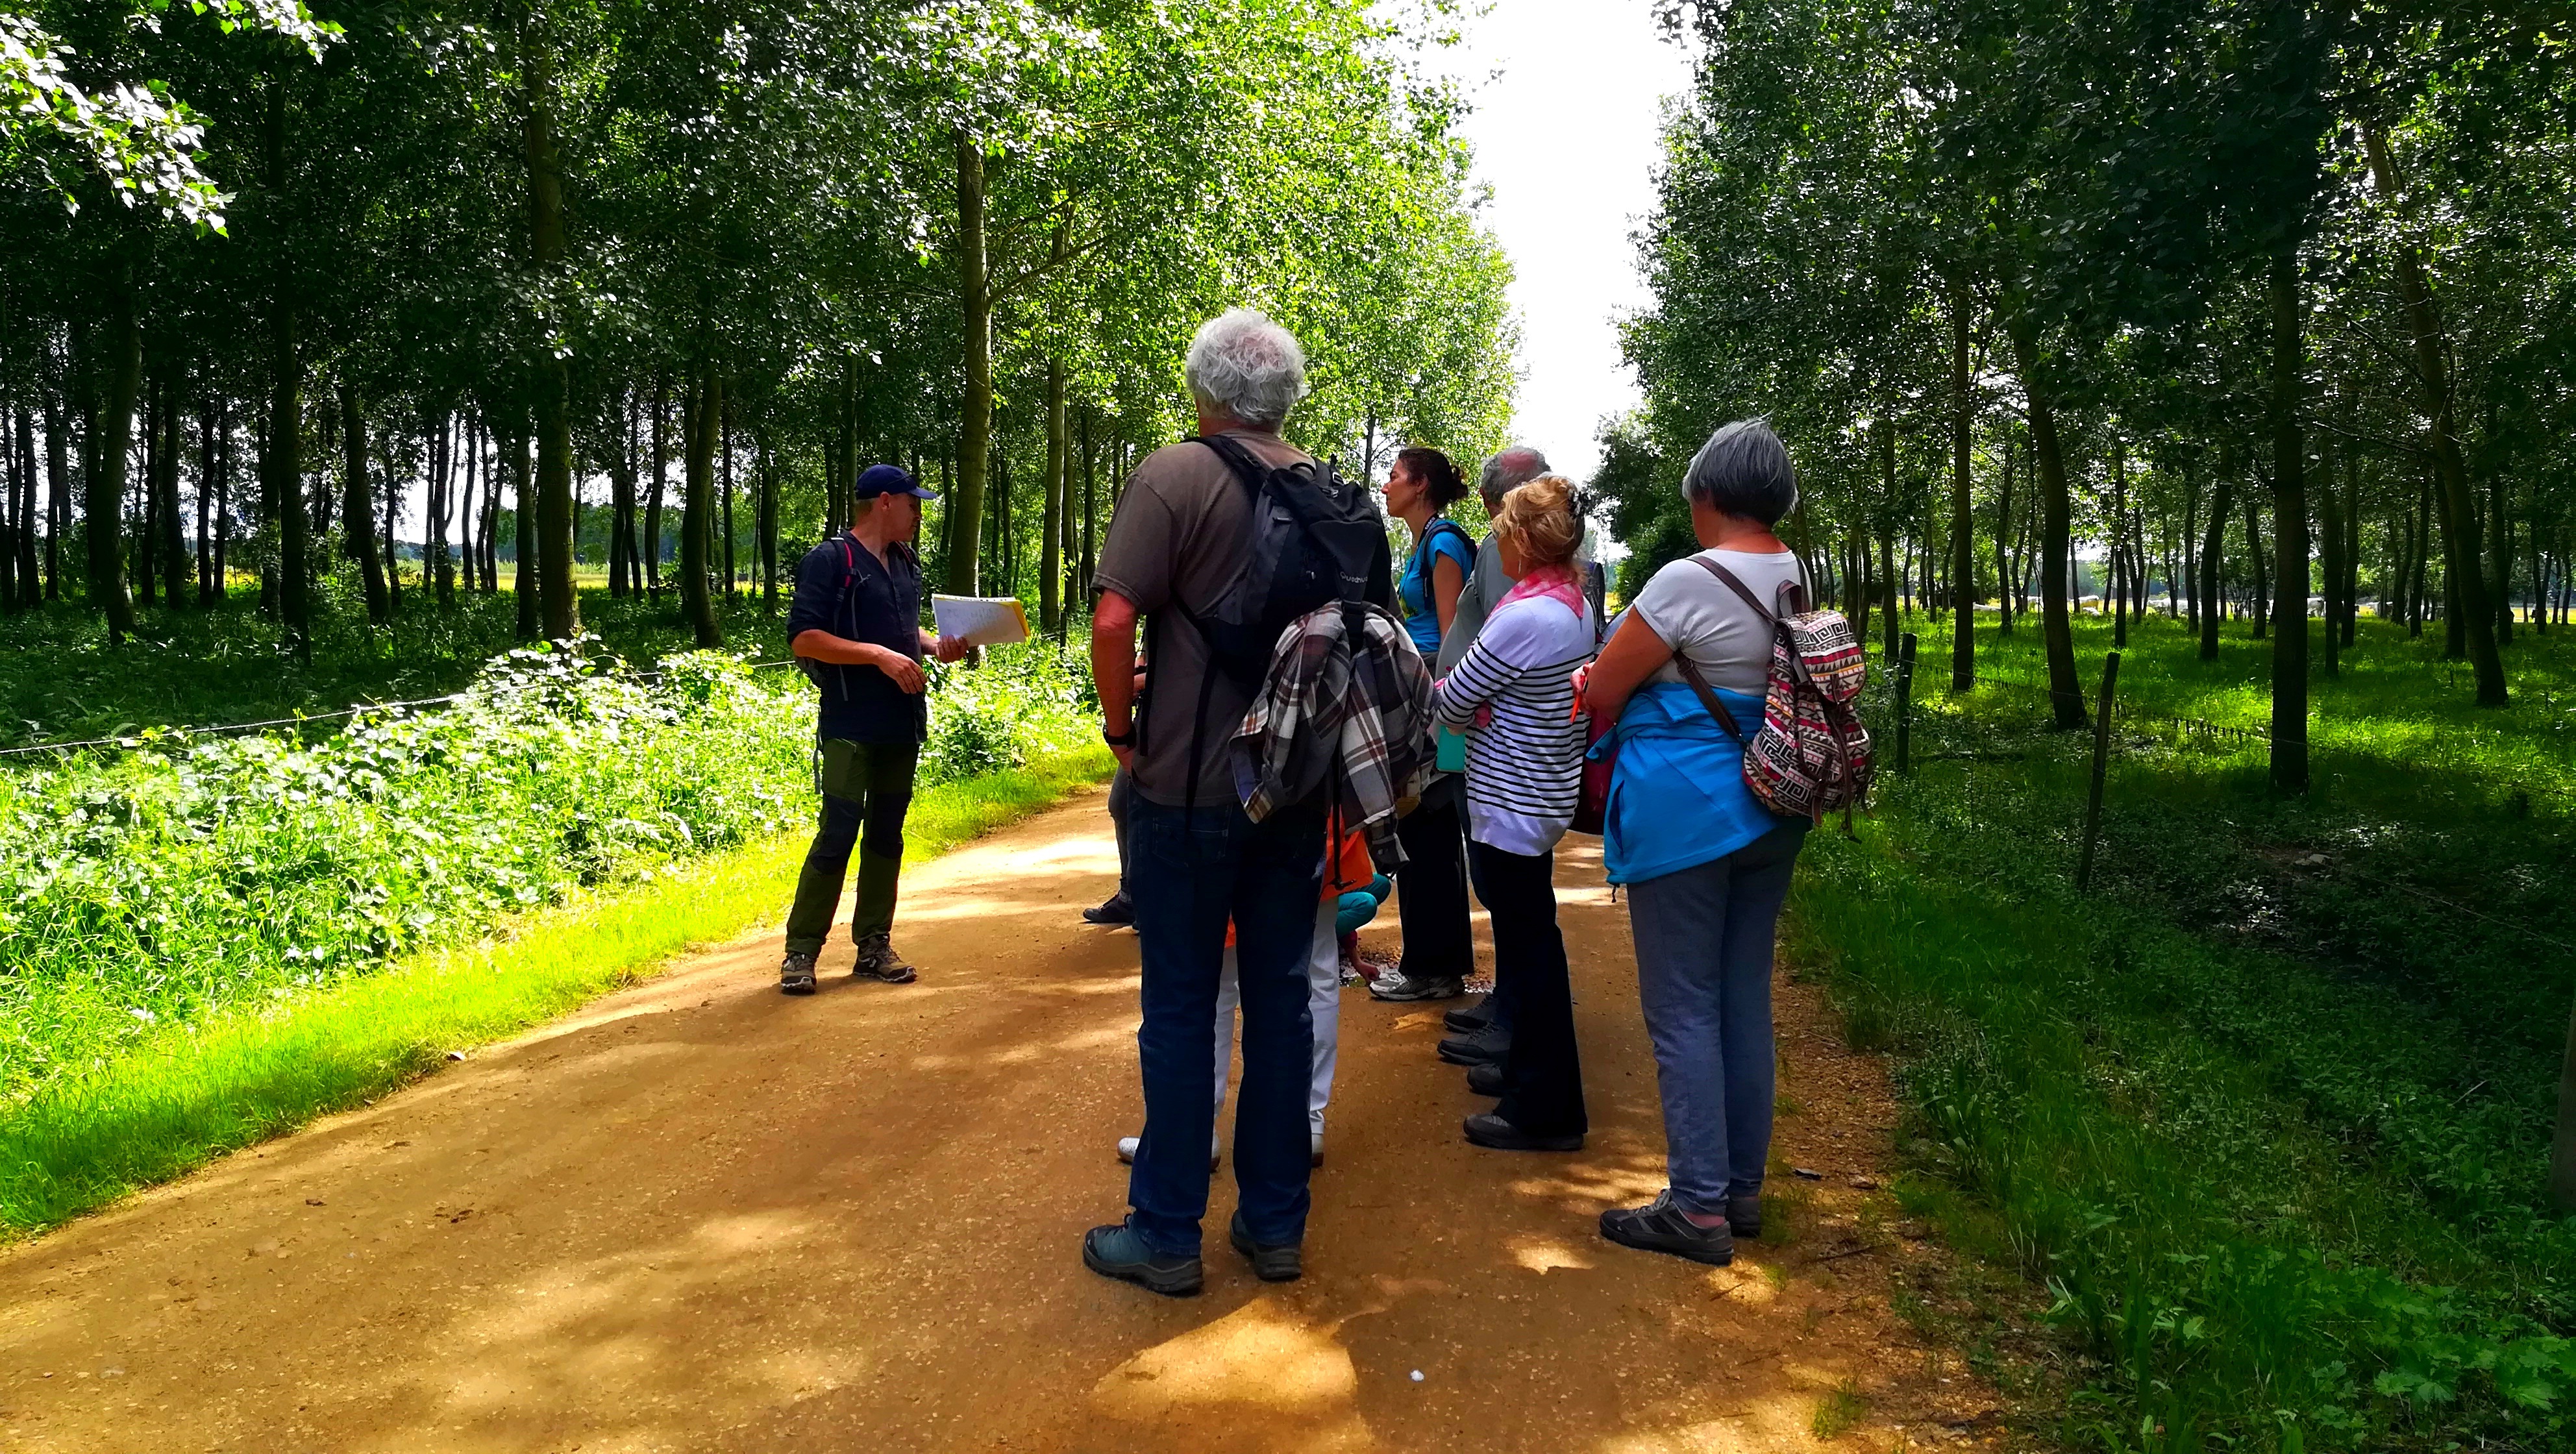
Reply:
x=981, y=620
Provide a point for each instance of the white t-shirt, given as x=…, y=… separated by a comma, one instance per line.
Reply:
x=1702, y=617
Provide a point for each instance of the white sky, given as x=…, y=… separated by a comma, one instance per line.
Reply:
x=1565, y=131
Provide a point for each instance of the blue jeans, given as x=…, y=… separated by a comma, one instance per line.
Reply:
x=1191, y=871
x=1704, y=938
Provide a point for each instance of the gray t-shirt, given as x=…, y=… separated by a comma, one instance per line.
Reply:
x=1702, y=617
x=1183, y=524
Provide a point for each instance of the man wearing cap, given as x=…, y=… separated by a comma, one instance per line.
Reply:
x=856, y=629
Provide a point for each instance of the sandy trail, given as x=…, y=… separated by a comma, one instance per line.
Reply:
x=700, y=1216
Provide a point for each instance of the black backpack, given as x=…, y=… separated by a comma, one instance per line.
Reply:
x=1315, y=539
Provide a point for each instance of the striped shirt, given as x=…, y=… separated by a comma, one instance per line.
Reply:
x=1525, y=765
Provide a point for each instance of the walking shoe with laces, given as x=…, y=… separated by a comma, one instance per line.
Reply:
x=796, y=975
x=1484, y=1047
x=1496, y=1134
x=1118, y=912
x=1284, y=1262
x=1119, y=1251
x=877, y=960
x=1401, y=988
x=1485, y=1079
x=1659, y=1226
x=1471, y=1019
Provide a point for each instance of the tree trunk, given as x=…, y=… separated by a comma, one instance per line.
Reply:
x=174, y=545
x=523, y=528
x=1050, y=555
x=2473, y=623
x=661, y=472
x=2260, y=601
x=2003, y=544
x=724, y=441
x=975, y=427
x=1090, y=507
x=2119, y=558
x=1963, y=543
x=704, y=413
x=2330, y=553
x=358, y=505
x=766, y=481
x=113, y=449
x=2066, y=694
x=2289, y=529
x=559, y=608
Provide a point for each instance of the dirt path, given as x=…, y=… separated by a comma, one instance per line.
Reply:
x=700, y=1216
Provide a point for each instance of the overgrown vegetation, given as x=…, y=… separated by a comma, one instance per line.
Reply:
x=160, y=886
x=2268, y=1111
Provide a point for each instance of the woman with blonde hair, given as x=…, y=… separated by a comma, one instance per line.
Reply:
x=1513, y=695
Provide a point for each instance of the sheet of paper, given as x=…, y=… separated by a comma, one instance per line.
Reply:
x=981, y=620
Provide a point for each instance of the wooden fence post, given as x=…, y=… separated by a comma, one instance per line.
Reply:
x=1905, y=705
x=2101, y=765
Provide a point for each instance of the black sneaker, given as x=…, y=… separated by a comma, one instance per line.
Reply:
x=1659, y=1226
x=1117, y=913
x=1283, y=1263
x=1402, y=988
x=1119, y=1251
x=1471, y=1019
x=1744, y=1214
x=1496, y=1134
x=1485, y=1047
x=796, y=975
x=877, y=960
x=1485, y=1079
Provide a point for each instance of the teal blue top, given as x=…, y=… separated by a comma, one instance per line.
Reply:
x=1677, y=795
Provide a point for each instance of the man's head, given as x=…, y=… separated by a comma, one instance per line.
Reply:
x=889, y=493
x=1244, y=371
x=1508, y=471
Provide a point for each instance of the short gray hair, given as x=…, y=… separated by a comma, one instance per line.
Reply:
x=1508, y=471
x=1743, y=470
x=1248, y=366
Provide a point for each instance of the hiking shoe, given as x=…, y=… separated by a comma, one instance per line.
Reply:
x=877, y=960
x=1485, y=1080
x=1659, y=1226
x=1127, y=1150
x=1119, y=1251
x=1488, y=1046
x=1282, y=1263
x=1117, y=913
x=1496, y=1134
x=1744, y=1214
x=1400, y=988
x=1471, y=1019
x=796, y=975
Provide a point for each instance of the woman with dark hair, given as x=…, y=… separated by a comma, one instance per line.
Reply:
x=1439, y=952
x=1705, y=864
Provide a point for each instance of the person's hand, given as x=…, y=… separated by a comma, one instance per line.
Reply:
x=1126, y=757
x=954, y=648
x=1582, y=682
x=903, y=670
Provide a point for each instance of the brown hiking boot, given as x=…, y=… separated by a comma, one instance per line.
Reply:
x=877, y=960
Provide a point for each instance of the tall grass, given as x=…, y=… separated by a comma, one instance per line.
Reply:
x=2266, y=1112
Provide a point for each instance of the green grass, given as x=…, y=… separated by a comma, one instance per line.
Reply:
x=188, y=1096
x=2265, y=1114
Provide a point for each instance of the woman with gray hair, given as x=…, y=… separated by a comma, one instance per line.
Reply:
x=1706, y=865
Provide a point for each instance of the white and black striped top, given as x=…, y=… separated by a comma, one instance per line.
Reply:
x=1525, y=766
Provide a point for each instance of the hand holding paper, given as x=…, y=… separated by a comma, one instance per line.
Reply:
x=981, y=620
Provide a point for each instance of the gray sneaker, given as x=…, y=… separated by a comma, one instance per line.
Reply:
x=877, y=960
x=1659, y=1226
x=796, y=975
x=1403, y=988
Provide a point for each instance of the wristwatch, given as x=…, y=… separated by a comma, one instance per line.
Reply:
x=1119, y=739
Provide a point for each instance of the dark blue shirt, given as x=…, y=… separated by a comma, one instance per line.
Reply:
x=844, y=590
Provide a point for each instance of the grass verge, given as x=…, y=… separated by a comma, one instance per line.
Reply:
x=189, y=1096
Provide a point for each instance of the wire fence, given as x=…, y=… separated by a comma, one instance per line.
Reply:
x=126, y=741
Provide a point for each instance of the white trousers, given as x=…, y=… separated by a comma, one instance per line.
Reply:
x=1323, y=998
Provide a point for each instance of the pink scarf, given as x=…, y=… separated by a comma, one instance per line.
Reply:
x=1554, y=581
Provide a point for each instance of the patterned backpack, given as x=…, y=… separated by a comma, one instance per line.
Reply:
x=1811, y=755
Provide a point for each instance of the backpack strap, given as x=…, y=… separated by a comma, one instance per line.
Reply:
x=1709, y=698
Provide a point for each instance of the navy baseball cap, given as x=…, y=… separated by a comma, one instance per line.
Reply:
x=886, y=479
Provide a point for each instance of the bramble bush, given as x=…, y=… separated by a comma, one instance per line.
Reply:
x=190, y=875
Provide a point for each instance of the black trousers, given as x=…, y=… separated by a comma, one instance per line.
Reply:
x=1542, y=1077
x=1431, y=888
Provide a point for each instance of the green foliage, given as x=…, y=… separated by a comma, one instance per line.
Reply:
x=2268, y=1111
x=191, y=876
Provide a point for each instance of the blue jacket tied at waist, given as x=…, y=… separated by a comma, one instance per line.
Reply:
x=1677, y=795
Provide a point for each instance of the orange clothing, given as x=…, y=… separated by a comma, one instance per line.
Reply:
x=1347, y=867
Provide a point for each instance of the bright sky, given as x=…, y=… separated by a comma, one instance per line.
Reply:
x=1568, y=97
